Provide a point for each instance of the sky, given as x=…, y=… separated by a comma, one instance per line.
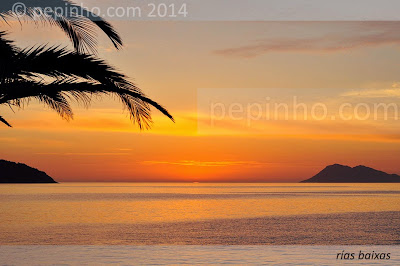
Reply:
x=196, y=69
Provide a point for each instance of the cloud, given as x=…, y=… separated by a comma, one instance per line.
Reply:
x=327, y=37
x=83, y=153
x=374, y=93
x=205, y=163
x=393, y=92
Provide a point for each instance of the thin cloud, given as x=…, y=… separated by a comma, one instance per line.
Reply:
x=83, y=153
x=205, y=163
x=374, y=93
x=345, y=36
x=393, y=92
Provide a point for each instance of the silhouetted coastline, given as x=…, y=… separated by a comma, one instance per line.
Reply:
x=11, y=172
x=338, y=173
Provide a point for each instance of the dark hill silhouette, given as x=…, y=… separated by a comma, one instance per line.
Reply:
x=11, y=172
x=337, y=173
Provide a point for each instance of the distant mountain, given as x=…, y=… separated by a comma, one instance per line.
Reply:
x=337, y=173
x=11, y=172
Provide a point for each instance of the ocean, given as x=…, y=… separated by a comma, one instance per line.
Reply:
x=194, y=218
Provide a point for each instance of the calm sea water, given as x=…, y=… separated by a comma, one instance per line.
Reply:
x=137, y=214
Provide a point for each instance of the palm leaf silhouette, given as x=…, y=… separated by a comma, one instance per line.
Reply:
x=78, y=23
x=4, y=121
x=55, y=76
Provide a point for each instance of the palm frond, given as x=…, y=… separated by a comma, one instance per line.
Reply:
x=4, y=121
x=58, y=103
x=55, y=76
x=78, y=23
x=59, y=91
x=59, y=62
x=6, y=46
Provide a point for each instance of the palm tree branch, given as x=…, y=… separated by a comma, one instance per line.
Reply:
x=59, y=62
x=136, y=102
x=77, y=22
x=4, y=121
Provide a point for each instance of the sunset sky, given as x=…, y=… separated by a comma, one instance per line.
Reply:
x=185, y=64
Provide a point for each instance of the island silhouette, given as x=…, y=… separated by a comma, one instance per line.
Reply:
x=338, y=173
x=11, y=172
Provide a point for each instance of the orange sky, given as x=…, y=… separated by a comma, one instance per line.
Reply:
x=186, y=65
